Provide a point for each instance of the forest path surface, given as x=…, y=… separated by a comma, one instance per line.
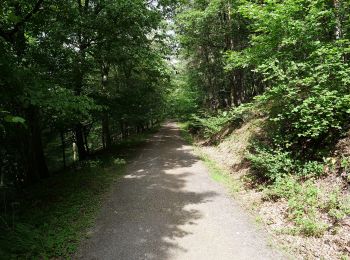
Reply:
x=168, y=207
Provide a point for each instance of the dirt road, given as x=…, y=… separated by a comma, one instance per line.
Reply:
x=168, y=207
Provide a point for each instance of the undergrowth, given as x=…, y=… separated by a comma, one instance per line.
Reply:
x=208, y=124
x=306, y=202
x=184, y=132
x=48, y=220
x=50, y=223
x=273, y=163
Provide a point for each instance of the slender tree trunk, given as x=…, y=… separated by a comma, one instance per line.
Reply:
x=106, y=135
x=230, y=45
x=232, y=89
x=79, y=131
x=338, y=27
x=211, y=98
x=106, y=131
x=121, y=129
x=37, y=167
x=103, y=138
x=63, y=147
x=239, y=88
x=79, y=138
x=86, y=143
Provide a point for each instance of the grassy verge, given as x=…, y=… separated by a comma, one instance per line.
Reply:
x=217, y=173
x=49, y=219
x=184, y=133
x=220, y=175
x=309, y=207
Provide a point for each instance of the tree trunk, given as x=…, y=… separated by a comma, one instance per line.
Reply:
x=78, y=77
x=63, y=146
x=236, y=87
x=338, y=27
x=121, y=129
x=33, y=154
x=106, y=131
x=79, y=138
x=106, y=135
x=86, y=143
x=37, y=167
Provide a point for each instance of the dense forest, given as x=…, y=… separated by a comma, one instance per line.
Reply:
x=287, y=60
x=79, y=77
x=76, y=77
x=82, y=72
x=293, y=55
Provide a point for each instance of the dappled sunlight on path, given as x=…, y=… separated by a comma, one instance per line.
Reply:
x=166, y=207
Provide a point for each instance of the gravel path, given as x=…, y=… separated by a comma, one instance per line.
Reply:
x=167, y=207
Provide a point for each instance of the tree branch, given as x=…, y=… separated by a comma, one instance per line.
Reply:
x=7, y=35
x=28, y=16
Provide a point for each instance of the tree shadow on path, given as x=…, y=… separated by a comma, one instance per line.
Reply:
x=150, y=205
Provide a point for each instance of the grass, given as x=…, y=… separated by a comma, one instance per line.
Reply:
x=220, y=175
x=217, y=173
x=49, y=220
x=184, y=133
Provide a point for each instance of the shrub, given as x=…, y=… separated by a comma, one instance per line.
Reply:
x=337, y=206
x=303, y=204
x=273, y=164
x=283, y=187
x=208, y=125
x=306, y=202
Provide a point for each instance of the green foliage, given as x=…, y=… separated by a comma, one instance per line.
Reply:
x=306, y=203
x=184, y=132
x=183, y=99
x=82, y=74
x=294, y=46
x=337, y=206
x=51, y=222
x=271, y=164
x=118, y=161
x=275, y=163
x=207, y=124
x=72, y=67
x=345, y=166
x=293, y=56
x=206, y=29
x=5, y=119
x=303, y=204
x=14, y=119
x=303, y=210
x=284, y=187
x=63, y=108
x=210, y=124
